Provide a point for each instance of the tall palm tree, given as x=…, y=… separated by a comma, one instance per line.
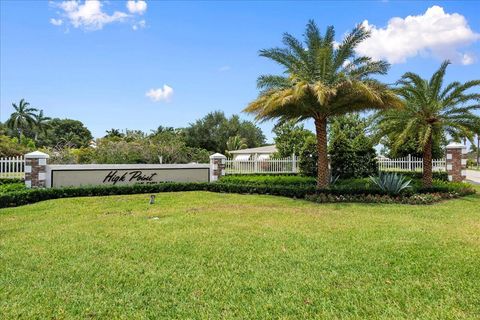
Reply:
x=321, y=80
x=22, y=118
x=431, y=110
x=40, y=123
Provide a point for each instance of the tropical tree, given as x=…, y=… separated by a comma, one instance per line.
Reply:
x=113, y=133
x=22, y=118
x=236, y=143
x=321, y=80
x=432, y=109
x=40, y=123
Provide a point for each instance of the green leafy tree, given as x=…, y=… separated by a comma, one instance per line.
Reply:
x=67, y=132
x=290, y=138
x=321, y=81
x=212, y=132
x=308, y=157
x=431, y=110
x=22, y=118
x=10, y=147
x=352, y=153
x=410, y=147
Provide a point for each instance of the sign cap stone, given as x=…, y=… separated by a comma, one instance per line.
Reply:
x=455, y=145
x=217, y=155
x=37, y=155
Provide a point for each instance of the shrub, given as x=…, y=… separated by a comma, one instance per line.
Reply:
x=417, y=175
x=417, y=199
x=270, y=180
x=391, y=183
x=9, y=181
x=308, y=158
x=352, y=154
x=11, y=187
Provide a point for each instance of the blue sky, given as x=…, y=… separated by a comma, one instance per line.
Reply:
x=95, y=65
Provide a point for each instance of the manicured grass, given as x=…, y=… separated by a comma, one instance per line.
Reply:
x=210, y=255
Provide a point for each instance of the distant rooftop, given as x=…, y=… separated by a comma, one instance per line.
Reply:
x=264, y=149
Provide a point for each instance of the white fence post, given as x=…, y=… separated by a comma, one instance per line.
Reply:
x=294, y=163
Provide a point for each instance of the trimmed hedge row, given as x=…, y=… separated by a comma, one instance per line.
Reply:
x=437, y=175
x=270, y=180
x=424, y=198
x=10, y=181
x=17, y=198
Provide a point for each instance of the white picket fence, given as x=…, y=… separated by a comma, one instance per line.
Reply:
x=290, y=165
x=408, y=163
x=12, y=167
x=283, y=165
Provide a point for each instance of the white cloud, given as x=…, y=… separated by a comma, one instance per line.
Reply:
x=56, y=22
x=468, y=58
x=89, y=14
x=434, y=33
x=139, y=25
x=136, y=6
x=160, y=94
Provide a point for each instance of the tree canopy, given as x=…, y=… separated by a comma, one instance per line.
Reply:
x=321, y=80
x=213, y=131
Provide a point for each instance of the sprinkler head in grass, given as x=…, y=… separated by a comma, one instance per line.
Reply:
x=152, y=199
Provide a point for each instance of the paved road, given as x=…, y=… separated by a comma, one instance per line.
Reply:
x=473, y=176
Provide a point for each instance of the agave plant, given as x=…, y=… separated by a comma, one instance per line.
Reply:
x=391, y=183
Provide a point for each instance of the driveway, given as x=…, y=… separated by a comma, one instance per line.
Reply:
x=473, y=176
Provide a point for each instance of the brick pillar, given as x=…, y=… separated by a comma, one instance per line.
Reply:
x=35, y=169
x=456, y=162
x=217, y=166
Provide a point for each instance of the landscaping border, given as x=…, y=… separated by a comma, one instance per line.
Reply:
x=423, y=196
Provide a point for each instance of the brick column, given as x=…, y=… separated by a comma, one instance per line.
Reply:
x=456, y=162
x=35, y=169
x=217, y=166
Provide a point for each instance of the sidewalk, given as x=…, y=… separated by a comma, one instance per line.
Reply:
x=473, y=176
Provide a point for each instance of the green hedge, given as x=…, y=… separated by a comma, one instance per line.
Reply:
x=17, y=198
x=12, y=187
x=270, y=180
x=10, y=181
x=424, y=198
x=437, y=175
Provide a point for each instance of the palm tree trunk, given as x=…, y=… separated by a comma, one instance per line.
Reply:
x=322, y=162
x=427, y=163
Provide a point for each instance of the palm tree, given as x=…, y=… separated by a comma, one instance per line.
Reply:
x=431, y=110
x=321, y=81
x=22, y=118
x=41, y=123
x=113, y=133
x=236, y=143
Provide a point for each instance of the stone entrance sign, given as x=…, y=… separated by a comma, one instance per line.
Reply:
x=124, y=174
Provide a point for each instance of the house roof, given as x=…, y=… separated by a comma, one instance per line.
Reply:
x=264, y=149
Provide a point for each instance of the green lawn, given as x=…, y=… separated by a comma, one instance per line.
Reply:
x=208, y=255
